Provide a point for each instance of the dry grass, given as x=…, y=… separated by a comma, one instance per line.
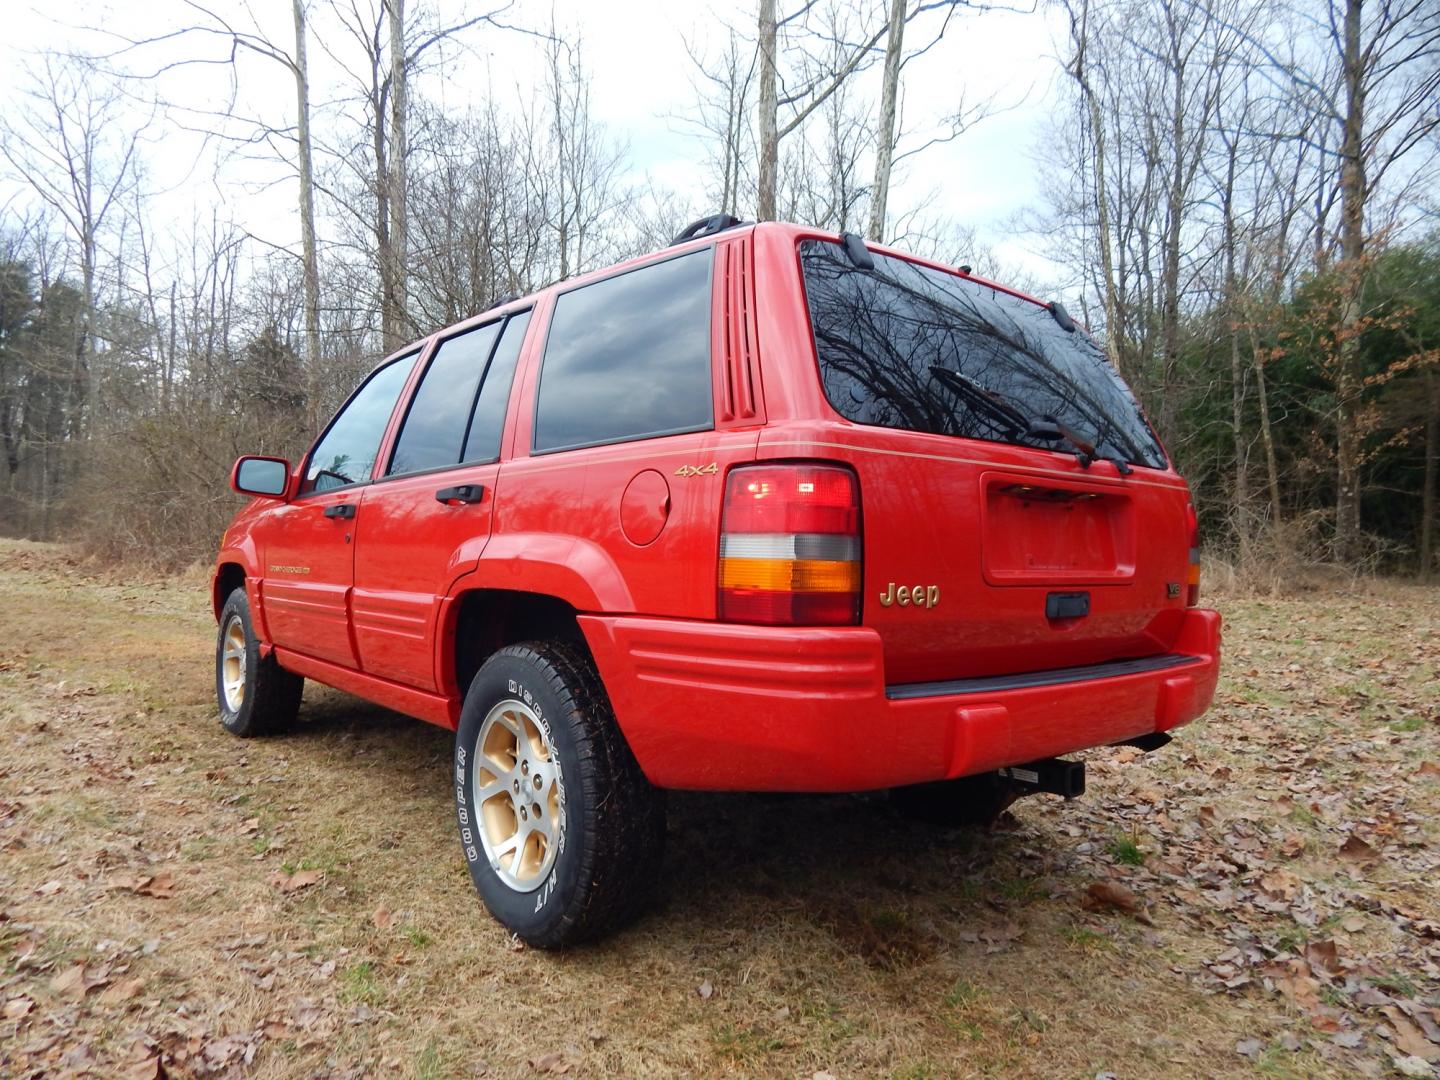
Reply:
x=834, y=935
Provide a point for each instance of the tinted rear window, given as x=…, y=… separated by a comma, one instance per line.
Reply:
x=880, y=334
x=628, y=357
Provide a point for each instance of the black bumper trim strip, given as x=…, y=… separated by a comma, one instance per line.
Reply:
x=991, y=684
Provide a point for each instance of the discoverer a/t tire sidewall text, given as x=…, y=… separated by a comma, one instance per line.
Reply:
x=613, y=829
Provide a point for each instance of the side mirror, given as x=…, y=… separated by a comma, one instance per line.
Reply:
x=266, y=477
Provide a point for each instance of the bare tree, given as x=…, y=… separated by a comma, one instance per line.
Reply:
x=74, y=151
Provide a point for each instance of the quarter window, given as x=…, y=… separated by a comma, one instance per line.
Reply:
x=346, y=453
x=483, y=442
x=629, y=357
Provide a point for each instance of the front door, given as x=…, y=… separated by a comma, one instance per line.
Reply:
x=308, y=545
x=426, y=522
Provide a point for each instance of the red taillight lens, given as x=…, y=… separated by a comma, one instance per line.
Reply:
x=1192, y=581
x=790, y=546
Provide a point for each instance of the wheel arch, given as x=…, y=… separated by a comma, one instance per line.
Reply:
x=478, y=622
x=229, y=576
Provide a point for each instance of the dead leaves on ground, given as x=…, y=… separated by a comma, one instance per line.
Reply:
x=300, y=879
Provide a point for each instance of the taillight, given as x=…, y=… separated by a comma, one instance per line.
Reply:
x=790, y=546
x=1192, y=580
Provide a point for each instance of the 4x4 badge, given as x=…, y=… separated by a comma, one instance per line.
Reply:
x=698, y=470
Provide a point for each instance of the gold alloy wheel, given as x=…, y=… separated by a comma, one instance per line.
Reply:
x=521, y=801
x=232, y=663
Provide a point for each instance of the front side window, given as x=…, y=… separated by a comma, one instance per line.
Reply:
x=908, y=346
x=346, y=453
x=628, y=357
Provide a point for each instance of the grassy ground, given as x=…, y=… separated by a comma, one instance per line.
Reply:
x=1257, y=899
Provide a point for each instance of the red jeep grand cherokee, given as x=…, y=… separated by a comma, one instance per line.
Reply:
x=771, y=510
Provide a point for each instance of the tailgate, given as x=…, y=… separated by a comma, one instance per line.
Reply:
x=976, y=570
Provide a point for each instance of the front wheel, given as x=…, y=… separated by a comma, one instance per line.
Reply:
x=256, y=695
x=562, y=832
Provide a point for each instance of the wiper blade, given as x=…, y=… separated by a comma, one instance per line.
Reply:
x=1044, y=428
x=1015, y=420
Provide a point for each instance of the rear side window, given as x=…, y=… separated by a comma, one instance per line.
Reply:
x=629, y=357
x=346, y=453
x=907, y=346
x=434, y=429
x=458, y=411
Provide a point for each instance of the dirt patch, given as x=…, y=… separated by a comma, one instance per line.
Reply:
x=172, y=898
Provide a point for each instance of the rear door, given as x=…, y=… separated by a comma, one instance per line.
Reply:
x=990, y=547
x=426, y=521
x=308, y=543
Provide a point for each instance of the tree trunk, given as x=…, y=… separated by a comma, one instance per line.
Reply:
x=1240, y=495
x=309, y=259
x=1432, y=466
x=769, y=124
x=1352, y=253
x=885, y=137
x=396, y=329
x=1081, y=35
x=1170, y=255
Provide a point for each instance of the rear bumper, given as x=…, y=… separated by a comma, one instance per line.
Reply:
x=713, y=706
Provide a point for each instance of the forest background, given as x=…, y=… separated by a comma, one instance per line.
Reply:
x=1238, y=197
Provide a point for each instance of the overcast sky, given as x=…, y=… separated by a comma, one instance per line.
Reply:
x=642, y=79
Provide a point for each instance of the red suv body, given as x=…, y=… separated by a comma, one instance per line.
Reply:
x=819, y=517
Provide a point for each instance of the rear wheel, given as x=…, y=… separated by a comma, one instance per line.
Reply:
x=971, y=800
x=256, y=695
x=562, y=832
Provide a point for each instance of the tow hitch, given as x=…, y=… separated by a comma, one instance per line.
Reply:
x=1064, y=778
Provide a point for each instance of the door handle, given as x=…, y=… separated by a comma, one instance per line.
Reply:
x=461, y=493
x=340, y=510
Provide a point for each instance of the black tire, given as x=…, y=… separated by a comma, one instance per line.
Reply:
x=611, y=825
x=976, y=801
x=270, y=698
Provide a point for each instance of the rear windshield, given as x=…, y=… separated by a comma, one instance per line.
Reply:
x=883, y=335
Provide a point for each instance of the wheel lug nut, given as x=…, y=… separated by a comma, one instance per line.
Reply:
x=523, y=815
x=525, y=768
x=516, y=786
x=535, y=809
x=538, y=783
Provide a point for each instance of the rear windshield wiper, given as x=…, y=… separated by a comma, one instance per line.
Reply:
x=1044, y=428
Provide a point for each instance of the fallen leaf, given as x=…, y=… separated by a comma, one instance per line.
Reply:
x=550, y=1063
x=121, y=991
x=50, y=888
x=1353, y=925
x=596, y=1036
x=249, y=825
x=1356, y=850
x=1249, y=1047
x=15, y=1008
x=1413, y=1066
x=1111, y=894
x=823, y=1074
x=161, y=886
x=1324, y=955
x=1409, y=1039
x=1429, y=768
x=705, y=990
x=383, y=919
x=70, y=982
x=301, y=879
x=1280, y=883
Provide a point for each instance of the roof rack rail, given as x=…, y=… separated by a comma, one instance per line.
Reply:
x=707, y=226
